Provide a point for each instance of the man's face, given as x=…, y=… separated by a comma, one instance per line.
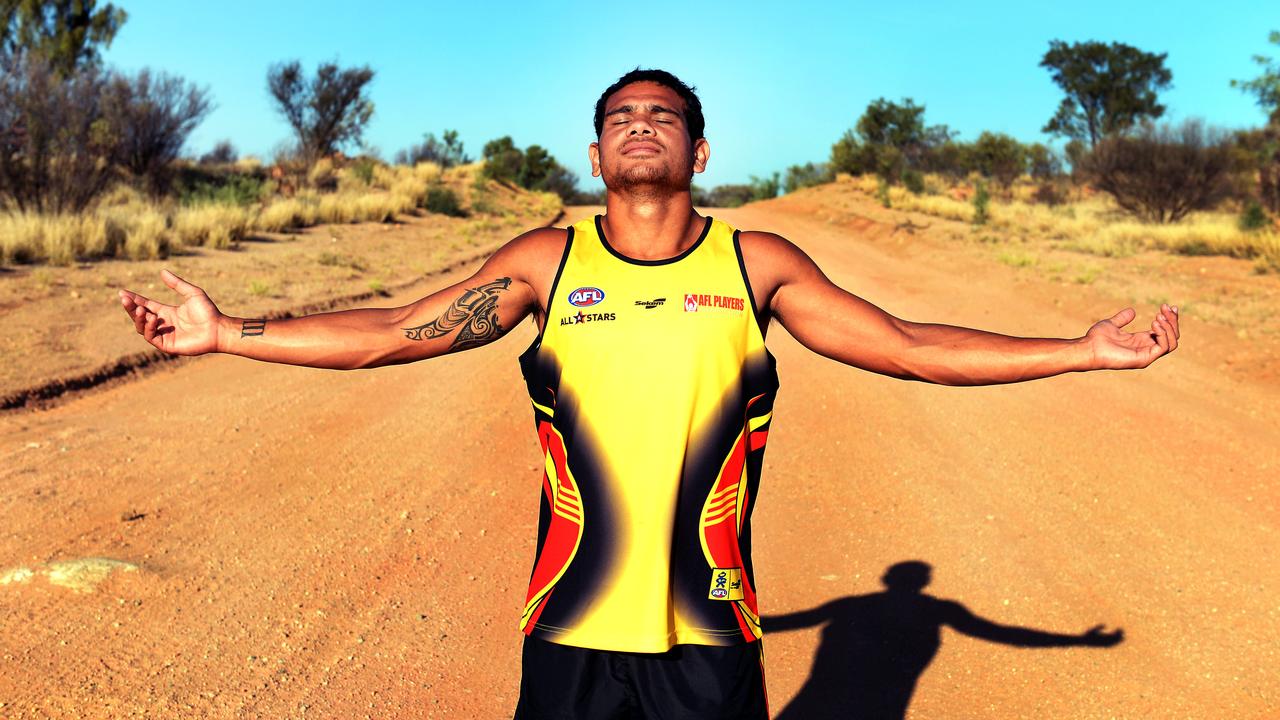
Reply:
x=645, y=141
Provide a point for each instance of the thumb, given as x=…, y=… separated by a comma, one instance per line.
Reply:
x=182, y=287
x=1124, y=317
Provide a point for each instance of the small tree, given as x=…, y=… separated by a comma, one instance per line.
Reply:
x=766, y=187
x=66, y=33
x=502, y=159
x=56, y=144
x=1109, y=88
x=1265, y=87
x=888, y=139
x=999, y=157
x=1162, y=173
x=328, y=111
x=1266, y=148
x=153, y=115
x=446, y=154
x=223, y=153
x=535, y=166
x=730, y=196
x=1042, y=162
x=807, y=175
x=952, y=159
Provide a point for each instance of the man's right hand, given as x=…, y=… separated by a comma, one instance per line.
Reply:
x=187, y=329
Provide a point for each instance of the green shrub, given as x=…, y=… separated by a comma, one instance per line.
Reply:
x=882, y=191
x=981, y=203
x=913, y=181
x=236, y=189
x=1254, y=217
x=443, y=201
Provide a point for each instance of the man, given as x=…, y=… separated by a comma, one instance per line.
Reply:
x=652, y=392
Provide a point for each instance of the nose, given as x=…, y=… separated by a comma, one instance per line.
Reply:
x=640, y=126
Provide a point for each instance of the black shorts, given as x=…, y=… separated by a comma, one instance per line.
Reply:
x=560, y=682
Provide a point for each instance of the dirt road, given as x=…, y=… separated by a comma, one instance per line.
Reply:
x=323, y=544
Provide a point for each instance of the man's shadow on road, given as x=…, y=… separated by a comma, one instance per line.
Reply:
x=875, y=647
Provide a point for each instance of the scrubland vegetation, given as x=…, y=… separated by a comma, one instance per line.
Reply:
x=91, y=166
x=1124, y=182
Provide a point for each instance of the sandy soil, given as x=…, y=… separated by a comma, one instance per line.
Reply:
x=310, y=543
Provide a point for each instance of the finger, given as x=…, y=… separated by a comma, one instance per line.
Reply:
x=1171, y=315
x=149, y=328
x=1162, y=336
x=183, y=288
x=139, y=318
x=1124, y=317
x=1168, y=328
x=136, y=299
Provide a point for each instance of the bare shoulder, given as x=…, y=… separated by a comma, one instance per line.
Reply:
x=771, y=261
x=532, y=258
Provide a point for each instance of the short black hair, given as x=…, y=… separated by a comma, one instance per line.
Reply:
x=692, y=107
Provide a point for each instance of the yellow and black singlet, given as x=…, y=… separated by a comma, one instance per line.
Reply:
x=652, y=393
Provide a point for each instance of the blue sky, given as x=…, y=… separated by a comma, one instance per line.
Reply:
x=779, y=82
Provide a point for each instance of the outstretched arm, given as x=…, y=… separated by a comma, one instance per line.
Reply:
x=844, y=327
x=469, y=314
x=960, y=618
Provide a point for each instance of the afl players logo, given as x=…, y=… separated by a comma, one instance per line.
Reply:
x=586, y=297
x=690, y=303
x=720, y=590
x=726, y=584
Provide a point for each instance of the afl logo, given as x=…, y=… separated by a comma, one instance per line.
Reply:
x=586, y=297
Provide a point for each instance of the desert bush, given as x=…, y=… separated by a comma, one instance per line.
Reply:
x=765, y=188
x=223, y=153
x=56, y=143
x=443, y=201
x=981, y=204
x=229, y=189
x=327, y=111
x=730, y=196
x=445, y=154
x=807, y=175
x=1161, y=173
x=913, y=181
x=502, y=160
x=287, y=214
x=1042, y=162
x=151, y=117
x=999, y=157
x=1253, y=217
x=882, y=191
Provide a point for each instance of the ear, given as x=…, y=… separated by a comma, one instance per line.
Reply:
x=701, y=154
x=593, y=154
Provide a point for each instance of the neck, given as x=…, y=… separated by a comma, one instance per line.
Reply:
x=649, y=227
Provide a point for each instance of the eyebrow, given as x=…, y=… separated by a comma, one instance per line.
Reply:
x=652, y=107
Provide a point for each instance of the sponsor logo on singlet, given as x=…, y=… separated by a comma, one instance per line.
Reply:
x=586, y=297
x=726, y=584
x=695, y=301
x=651, y=304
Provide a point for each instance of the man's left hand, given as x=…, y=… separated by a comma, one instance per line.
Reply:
x=1115, y=349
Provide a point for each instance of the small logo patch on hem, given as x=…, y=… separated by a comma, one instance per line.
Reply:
x=726, y=584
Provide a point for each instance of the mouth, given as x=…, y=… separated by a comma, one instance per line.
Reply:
x=640, y=147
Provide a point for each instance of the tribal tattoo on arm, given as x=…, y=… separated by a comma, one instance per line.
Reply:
x=476, y=311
